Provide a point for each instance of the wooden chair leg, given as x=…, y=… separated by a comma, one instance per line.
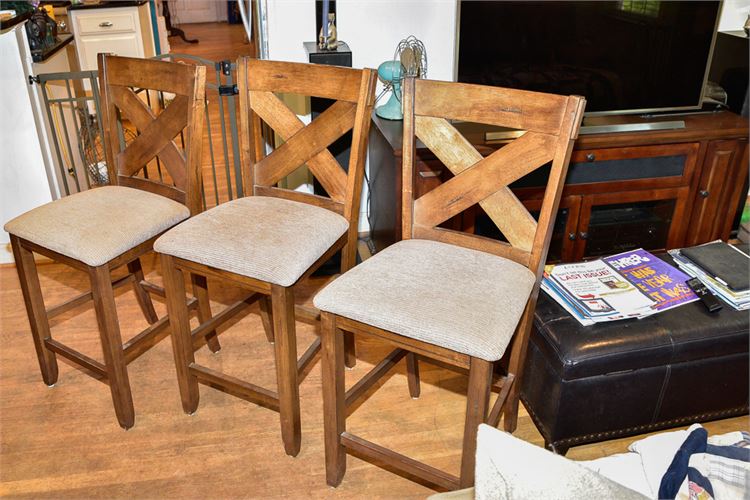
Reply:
x=285, y=345
x=144, y=299
x=515, y=365
x=412, y=374
x=334, y=411
x=182, y=341
x=477, y=404
x=350, y=352
x=348, y=261
x=109, y=332
x=510, y=412
x=200, y=291
x=266, y=315
x=32, y=297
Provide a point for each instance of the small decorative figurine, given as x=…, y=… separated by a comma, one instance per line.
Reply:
x=327, y=40
x=41, y=31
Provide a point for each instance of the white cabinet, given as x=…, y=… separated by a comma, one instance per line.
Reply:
x=124, y=31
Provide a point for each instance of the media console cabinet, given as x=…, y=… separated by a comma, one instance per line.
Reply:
x=655, y=189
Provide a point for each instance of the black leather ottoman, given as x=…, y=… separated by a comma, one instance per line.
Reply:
x=585, y=384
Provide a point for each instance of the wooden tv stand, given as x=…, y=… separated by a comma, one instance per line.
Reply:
x=654, y=189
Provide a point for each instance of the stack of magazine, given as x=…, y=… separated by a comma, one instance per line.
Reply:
x=631, y=284
x=721, y=267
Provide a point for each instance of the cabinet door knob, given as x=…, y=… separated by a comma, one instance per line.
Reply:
x=590, y=157
x=583, y=235
x=105, y=24
x=703, y=193
x=572, y=236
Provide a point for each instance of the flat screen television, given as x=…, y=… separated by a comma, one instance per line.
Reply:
x=628, y=56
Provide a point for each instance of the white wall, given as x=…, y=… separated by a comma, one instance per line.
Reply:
x=23, y=181
x=733, y=15
x=290, y=22
x=373, y=29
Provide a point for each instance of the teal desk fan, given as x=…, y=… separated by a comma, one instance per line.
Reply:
x=409, y=59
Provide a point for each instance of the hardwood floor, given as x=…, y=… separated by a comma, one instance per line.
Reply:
x=216, y=41
x=64, y=441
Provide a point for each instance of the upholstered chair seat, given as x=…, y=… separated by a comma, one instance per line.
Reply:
x=269, y=239
x=469, y=301
x=97, y=225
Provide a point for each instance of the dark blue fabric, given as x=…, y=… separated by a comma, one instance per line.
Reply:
x=678, y=469
x=733, y=452
x=696, y=477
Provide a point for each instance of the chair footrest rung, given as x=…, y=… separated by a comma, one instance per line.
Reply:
x=212, y=324
x=98, y=370
x=306, y=314
x=153, y=289
x=358, y=389
x=400, y=463
x=507, y=383
x=308, y=356
x=145, y=340
x=83, y=298
x=235, y=387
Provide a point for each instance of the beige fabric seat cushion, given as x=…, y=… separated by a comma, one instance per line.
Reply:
x=445, y=295
x=265, y=238
x=97, y=225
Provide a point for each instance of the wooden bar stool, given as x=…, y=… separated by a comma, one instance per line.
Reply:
x=271, y=240
x=482, y=291
x=104, y=228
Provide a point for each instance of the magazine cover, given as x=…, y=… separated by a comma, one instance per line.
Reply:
x=655, y=278
x=599, y=291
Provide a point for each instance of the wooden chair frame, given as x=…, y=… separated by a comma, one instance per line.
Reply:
x=118, y=74
x=353, y=91
x=551, y=125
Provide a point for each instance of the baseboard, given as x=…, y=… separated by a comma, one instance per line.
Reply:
x=6, y=255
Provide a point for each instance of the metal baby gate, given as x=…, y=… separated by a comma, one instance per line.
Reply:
x=72, y=107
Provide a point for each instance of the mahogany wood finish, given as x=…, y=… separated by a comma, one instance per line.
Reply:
x=119, y=75
x=258, y=83
x=551, y=125
x=712, y=147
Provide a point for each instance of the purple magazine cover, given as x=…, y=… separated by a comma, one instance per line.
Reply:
x=654, y=277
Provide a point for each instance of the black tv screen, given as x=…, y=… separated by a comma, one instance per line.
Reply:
x=628, y=56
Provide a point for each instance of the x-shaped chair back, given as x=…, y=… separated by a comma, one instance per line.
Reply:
x=551, y=125
x=353, y=96
x=156, y=133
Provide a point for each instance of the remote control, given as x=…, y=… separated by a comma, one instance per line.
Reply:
x=707, y=297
